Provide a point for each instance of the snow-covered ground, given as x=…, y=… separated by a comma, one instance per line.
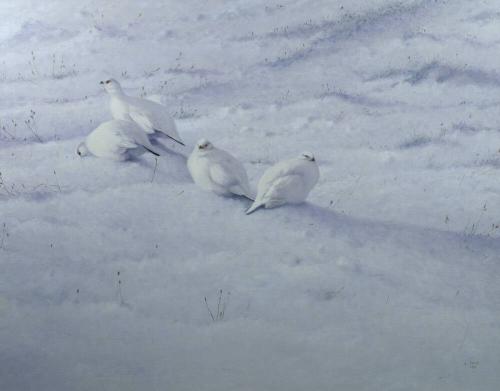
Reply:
x=387, y=279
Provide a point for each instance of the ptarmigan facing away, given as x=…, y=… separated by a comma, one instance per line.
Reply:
x=216, y=170
x=116, y=140
x=287, y=182
x=152, y=117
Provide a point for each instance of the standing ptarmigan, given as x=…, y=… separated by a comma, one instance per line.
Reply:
x=216, y=170
x=116, y=140
x=287, y=182
x=152, y=117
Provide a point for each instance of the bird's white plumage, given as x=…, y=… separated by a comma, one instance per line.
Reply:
x=216, y=170
x=287, y=182
x=116, y=140
x=152, y=117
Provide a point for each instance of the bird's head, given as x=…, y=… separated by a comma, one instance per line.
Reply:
x=111, y=86
x=82, y=150
x=308, y=156
x=204, y=145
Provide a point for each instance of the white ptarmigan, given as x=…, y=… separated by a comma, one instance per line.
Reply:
x=116, y=140
x=287, y=182
x=218, y=171
x=152, y=117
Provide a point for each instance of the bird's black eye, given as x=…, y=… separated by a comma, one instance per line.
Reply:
x=108, y=81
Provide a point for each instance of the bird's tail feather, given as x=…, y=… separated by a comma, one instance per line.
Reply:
x=250, y=197
x=164, y=148
x=249, y=193
x=243, y=191
x=150, y=150
x=170, y=137
x=177, y=141
x=254, y=207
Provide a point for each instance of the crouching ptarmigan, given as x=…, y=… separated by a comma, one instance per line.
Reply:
x=216, y=170
x=152, y=117
x=287, y=182
x=116, y=140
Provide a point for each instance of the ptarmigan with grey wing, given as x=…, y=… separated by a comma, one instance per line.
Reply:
x=152, y=117
x=116, y=140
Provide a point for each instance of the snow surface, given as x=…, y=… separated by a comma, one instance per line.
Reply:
x=387, y=279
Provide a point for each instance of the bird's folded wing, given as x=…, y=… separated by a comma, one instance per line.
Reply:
x=221, y=175
x=143, y=120
x=127, y=144
x=282, y=185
